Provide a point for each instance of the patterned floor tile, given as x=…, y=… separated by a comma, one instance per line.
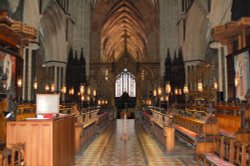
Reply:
x=109, y=149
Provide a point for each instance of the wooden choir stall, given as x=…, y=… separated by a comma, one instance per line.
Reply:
x=48, y=142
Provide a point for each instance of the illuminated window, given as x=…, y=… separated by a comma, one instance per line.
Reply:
x=125, y=82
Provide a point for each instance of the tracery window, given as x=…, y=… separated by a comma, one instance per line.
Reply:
x=125, y=82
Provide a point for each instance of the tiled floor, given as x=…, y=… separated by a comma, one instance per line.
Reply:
x=109, y=149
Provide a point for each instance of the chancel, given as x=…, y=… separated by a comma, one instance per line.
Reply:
x=124, y=82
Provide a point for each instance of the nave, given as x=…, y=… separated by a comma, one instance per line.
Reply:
x=141, y=149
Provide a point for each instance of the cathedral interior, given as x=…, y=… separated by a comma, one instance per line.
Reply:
x=124, y=82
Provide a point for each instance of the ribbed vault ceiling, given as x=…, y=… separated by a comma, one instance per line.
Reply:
x=123, y=28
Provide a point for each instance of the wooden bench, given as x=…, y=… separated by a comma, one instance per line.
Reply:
x=85, y=128
x=13, y=156
x=147, y=119
x=229, y=118
x=228, y=152
x=200, y=133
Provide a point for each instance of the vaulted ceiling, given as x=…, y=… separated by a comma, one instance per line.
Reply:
x=123, y=28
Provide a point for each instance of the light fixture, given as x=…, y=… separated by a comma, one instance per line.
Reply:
x=103, y=102
x=159, y=91
x=52, y=88
x=236, y=81
x=106, y=102
x=200, y=86
x=185, y=89
x=47, y=88
x=64, y=89
x=82, y=98
x=35, y=85
x=19, y=83
x=215, y=85
x=99, y=102
x=82, y=89
x=71, y=91
x=176, y=91
x=161, y=98
x=168, y=88
x=154, y=92
x=94, y=92
x=89, y=91
x=180, y=91
x=167, y=98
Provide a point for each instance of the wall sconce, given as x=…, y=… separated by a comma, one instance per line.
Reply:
x=200, y=86
x=106, y=102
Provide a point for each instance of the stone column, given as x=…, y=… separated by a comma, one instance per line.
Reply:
x=24, y=74
x=220, y=78
x=27, y=75
x=55, y=77
x=225, y=76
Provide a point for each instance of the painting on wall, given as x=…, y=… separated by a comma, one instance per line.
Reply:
x=241, y=68
x=7, y=71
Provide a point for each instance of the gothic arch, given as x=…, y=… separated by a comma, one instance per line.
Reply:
x=196, y=40
x=52, y=33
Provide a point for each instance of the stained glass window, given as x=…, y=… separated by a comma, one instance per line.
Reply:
x=125, y=82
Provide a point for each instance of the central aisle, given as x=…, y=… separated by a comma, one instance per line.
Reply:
x=109, y=149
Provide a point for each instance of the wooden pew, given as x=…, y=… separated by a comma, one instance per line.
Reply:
x=158, y=125
x=199, y=132
x=147, y=119
x=85, y=128
x=228, y=152
x=102, y=120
